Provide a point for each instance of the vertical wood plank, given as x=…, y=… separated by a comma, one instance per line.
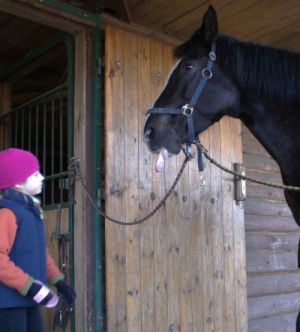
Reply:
x=229, y=249
x=196, y=248
x=217, y=229
x=116, y=298
x=82, y=48
x=239, y=237
x=161, y=228
x=172, y=241
x=131, y=194
x=183, y=229
x=207, y=244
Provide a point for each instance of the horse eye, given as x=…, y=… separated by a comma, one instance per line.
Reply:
x=188, y=67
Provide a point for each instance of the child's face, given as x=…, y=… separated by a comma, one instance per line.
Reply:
x=33, y=185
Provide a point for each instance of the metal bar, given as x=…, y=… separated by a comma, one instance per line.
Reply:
x=52, y=146
x=71, y=9
x=56, y=175
x=69, y=42
x=31, y=110
x=44, y=146
x=55, y=206
x=37, y=129
x=29, y=127
x=16, y=129
x=97, y=224
x=22, y=129
x=61, y=111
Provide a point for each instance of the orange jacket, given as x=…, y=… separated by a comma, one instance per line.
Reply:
x=10, y=274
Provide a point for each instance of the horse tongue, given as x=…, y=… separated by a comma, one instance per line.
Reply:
x=163, y=155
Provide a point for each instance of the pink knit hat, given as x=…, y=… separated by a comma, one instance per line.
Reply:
x=16, y=165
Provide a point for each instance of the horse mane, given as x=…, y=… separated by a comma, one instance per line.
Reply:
x=272, y=74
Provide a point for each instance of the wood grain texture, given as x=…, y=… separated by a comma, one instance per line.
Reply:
x=184, y=269
x=269, y=22
x=272, y=238
x=278, y=323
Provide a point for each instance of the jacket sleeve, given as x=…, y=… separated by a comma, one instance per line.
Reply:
x=53, y=273
x=10, y=275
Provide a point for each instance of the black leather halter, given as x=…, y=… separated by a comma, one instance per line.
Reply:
x=188, y=109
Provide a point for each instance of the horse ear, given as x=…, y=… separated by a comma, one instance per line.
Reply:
x=209, y=28
x=204, y=36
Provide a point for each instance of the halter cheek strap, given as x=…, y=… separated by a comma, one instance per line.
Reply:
x=188, y=109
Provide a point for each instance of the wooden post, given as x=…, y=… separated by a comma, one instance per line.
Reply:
x=82, y=243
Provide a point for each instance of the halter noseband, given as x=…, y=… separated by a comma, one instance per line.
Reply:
x=188, y=109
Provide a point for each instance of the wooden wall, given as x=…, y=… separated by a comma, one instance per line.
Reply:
x=273, y=280
x=183, y=270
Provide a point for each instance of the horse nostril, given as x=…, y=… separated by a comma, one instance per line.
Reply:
x=148, y=134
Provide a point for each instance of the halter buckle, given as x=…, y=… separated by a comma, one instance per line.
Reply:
x=187, y=110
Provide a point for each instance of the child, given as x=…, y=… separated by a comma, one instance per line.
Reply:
x=25, y=265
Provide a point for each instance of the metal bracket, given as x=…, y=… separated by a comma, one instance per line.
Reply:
x=239, y=184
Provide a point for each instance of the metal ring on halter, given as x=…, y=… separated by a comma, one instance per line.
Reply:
x=206, y=73
x=212, y=56
x=187, y=110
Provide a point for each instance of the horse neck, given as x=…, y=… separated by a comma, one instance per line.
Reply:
x=278, y=135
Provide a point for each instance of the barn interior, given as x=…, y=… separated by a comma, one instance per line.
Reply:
x=33, y=63
x=20, y=38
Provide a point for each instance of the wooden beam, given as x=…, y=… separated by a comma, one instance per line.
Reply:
x=134, y=27
x=40, y=13
x=82, y=210
x=61, y=20
x=120, y=7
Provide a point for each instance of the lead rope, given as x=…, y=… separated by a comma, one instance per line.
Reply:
x=203, y=150
x=74, y=170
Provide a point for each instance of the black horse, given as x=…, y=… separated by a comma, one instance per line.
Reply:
x=258, y=84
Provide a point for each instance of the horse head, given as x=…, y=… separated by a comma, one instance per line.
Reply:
x=166, y=130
